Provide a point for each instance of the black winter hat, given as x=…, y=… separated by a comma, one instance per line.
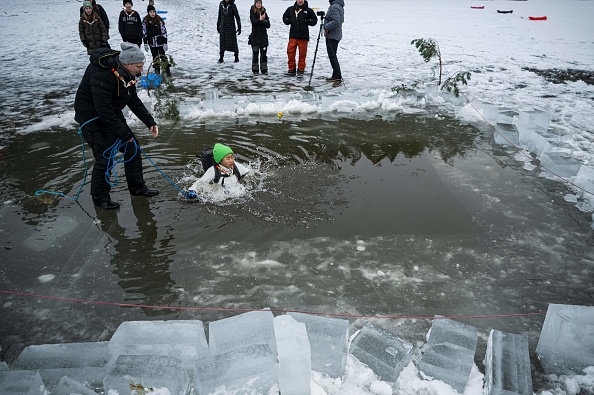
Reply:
x=150, y=8
x=128, y=1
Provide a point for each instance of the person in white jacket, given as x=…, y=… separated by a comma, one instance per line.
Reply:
x=225, y=171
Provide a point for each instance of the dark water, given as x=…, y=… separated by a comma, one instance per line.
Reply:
x=414, y=216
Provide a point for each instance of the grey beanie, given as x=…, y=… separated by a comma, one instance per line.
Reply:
x=87, y=4
x=131, y=54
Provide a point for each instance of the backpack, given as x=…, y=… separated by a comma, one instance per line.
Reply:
x=207, y=161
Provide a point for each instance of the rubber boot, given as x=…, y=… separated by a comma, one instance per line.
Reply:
x=264, y=67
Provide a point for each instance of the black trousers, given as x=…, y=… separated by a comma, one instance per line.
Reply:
x=332, y=48
x=99, y=140
x=259, y=52
x=159, y=53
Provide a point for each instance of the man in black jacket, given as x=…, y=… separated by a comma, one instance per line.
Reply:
x=300, y=17
x=106, y=88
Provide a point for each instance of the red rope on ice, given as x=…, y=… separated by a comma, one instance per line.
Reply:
x=237, y=309
x=520, y=149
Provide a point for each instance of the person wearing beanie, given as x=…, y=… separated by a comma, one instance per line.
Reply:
x=108, y=86
x=333, y=33
x=154, y=35
x=130, y=24
x=228, y=14
x=91, y=30
x=222, y=170
x=100, y=11
x=299, y=17
x=259, y=37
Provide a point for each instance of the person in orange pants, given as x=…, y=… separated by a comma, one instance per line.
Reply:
x=300, y=17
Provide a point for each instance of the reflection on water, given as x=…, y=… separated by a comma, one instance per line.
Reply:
x=141, y=258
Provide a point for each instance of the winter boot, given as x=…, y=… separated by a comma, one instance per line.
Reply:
x=300, y=73
x=255, y=68
x=264, y=67
x=221, y=59
x=236, y=57
x=291, y=73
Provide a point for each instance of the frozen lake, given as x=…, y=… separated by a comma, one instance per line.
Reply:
x=365, y=203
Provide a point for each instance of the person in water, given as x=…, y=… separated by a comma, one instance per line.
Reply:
x=225, y=171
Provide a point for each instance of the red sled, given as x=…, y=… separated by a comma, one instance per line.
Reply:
x=537, y=18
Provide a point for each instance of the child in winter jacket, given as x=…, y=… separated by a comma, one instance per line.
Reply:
x=92, y=31
x=259, y=37
x=154, y=35
x=225, y=171
x=130, y=24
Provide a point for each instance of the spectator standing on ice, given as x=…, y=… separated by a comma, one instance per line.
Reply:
x=108, y=86
x=259, y=37
x=228, y=14
x=300, y=17
x=101, y=12
x=154, y=35
x=91, y=29
x=130, y=24
x=333, y=33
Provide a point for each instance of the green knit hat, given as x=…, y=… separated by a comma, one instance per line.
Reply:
x=219, y=151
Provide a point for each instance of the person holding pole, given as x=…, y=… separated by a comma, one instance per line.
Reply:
x=333, y=34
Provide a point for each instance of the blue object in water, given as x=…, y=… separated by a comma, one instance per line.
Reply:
x=150, y=81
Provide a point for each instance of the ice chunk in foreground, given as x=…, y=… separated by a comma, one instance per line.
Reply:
x=585, y=179
x=183, y=339
x=147, y=371
x=536, y=118
x=328, y=339
x=507, y=364
x=561, y=164
x=21, y=383
x=252, y=369
x=383, y=352
x=79, y=361
x=506, y=134
x=67, y=386
x=254, y=327
x=566, y=344
x=449, y=353
x=294, y=356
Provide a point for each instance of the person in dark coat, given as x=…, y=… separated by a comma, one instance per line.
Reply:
x=130, y=24
x=228, y=14
x=108, y=86
x=333, y=33
x=300, y=17
x=154, y=35
x=97, y=9
x=91, y=30
x=259, y=37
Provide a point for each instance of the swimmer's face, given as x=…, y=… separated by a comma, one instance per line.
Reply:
x=228, y=161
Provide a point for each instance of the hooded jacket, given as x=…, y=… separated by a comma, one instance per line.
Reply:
x=92, y=30
x=102, y=94
x=259, y=36
x=334, y=20
x=300, y=19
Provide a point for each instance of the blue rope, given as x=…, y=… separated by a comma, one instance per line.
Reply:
x=112, y=160
x=42, y=191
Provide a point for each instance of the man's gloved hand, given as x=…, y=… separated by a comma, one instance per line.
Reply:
x=146, y=48
x=239, y=31
x=191, y=195
x=85, y=43
x=165, y=47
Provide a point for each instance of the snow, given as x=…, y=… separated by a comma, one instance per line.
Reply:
x=375, y=56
